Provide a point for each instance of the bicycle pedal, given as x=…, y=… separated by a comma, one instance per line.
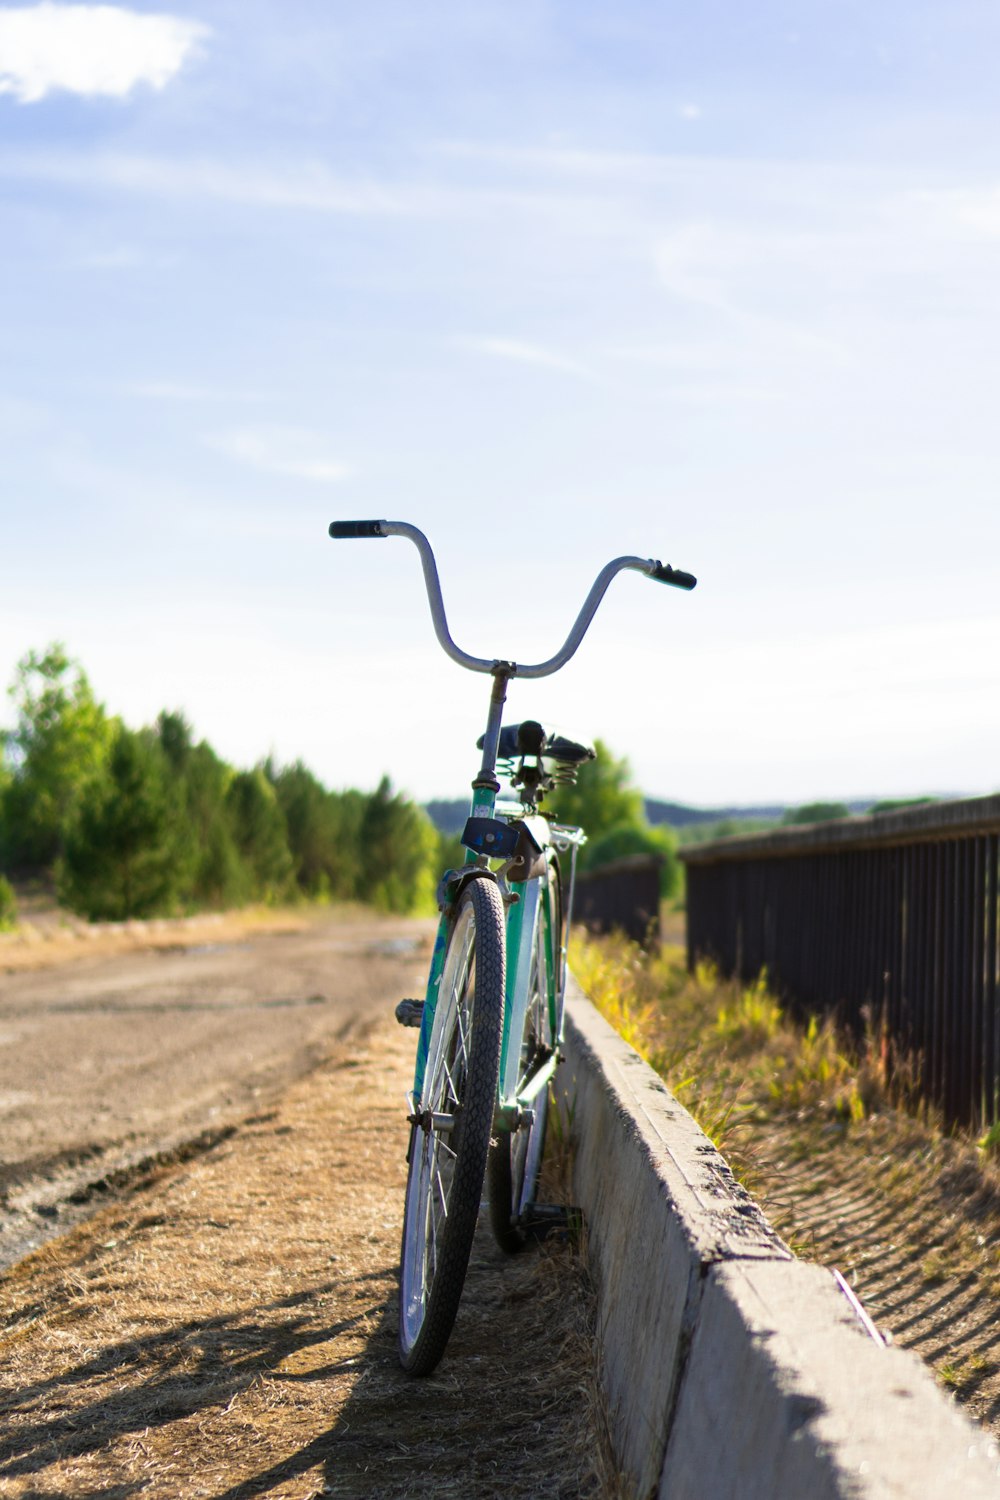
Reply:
x=542, y=1219
x=410, y=1012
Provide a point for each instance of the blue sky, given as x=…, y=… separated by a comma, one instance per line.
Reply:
x=555, y=282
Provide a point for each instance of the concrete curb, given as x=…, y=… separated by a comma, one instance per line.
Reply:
x=734, y=1371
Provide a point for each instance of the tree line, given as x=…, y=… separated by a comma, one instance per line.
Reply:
x=138, y=823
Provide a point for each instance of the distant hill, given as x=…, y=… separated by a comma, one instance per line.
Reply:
x=450, y=815
x=679, y=815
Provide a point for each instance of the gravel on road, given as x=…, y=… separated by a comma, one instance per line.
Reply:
x=114, y=1061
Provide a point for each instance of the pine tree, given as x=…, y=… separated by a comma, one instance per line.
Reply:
x=397, y=842
x=120, y=858
x=259, y=833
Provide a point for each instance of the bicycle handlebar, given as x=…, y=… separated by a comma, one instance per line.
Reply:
x=664, y=573
x=340, y=530
x=344, y=530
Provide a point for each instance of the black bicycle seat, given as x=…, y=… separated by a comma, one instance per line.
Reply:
x=530, y=738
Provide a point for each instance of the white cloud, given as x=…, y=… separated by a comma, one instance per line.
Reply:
x=287, y=451
x=528, y=354
x=90, y=50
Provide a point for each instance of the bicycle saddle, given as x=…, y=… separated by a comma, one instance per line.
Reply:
x=529, y=738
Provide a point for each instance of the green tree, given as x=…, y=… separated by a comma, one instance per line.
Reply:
x=217, y=877
x=348, y=878
x=627, y=839
x=176, y=739
x=120, y=859
x=899, y=804
x=603, y=796
x=816, y=812
x=58, y=748
x=211, y=870
x=323, y=832
x=398, y=843
x=258, y=829
x=725, y=828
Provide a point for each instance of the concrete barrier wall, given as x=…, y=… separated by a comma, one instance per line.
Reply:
x=734, y=1371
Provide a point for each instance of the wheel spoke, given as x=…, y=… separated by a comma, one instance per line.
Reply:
x=463, y=1035
x=433, y=1215
x=453, y=1090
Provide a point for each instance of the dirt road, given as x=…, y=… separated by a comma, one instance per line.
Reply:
x=226, y=1326
x=107, y=1061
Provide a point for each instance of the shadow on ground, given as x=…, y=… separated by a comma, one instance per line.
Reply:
x=508, y=1411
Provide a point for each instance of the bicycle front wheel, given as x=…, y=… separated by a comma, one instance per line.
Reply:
x=451, y=1138
x=516, y=1158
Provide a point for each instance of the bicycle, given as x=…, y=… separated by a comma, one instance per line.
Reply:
x=491, y=1020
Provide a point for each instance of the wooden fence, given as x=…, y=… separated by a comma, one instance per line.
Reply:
x=886, y=922
x=622, y=895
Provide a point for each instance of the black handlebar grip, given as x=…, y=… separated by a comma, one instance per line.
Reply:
x=664, y=573
x=341, y=529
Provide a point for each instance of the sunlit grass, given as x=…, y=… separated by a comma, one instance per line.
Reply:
x=727, y=1050
x=8, y=906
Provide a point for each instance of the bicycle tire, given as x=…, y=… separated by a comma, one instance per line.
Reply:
x=516, y=1156
x=448, y=1165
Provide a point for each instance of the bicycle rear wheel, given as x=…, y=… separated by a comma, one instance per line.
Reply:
x=516, y=1156
x=450, y=1142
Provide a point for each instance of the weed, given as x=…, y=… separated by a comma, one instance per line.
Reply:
x=961, y=1374
x=754, y=1020
x=8, y=906
x=934, y=1267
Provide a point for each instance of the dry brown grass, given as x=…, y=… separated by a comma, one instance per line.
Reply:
x=230, y=1332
